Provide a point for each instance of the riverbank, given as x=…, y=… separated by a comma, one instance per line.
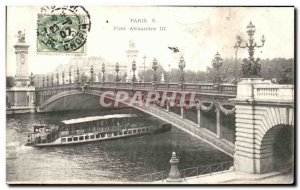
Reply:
x=231, y=177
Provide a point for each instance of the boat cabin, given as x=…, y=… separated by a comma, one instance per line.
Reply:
x=96, y=124
x=41, y=129
x=40, y=134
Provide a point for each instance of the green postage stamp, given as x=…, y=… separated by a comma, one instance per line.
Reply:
x=63, y=30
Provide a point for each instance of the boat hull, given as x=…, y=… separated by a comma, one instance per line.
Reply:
x=63, y=141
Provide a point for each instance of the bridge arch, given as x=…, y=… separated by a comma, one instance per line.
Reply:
x=258, y=127
x=43, y=106
x=164, y=115
x=276, y=149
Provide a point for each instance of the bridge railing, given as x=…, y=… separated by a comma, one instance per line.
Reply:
x=274, y=92
x=199, y=171
x=192, y=87
x=57, y=86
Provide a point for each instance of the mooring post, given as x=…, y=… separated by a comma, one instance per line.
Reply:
x=174, y=174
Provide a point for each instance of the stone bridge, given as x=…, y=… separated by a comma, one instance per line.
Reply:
x=204, y=92
x=262, y=111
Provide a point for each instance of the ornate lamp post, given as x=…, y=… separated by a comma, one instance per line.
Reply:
x=133, y=70
x=52, y=79
x=117, y=70
x=144, y=68
x=169, y=78
x=70, y=76
x=31, y=79
x=43, y=81
x=57, y=78
x=217, y=63
x=103, y=71
x=47, y=79
x=154, y=67
x=231, y=74
x=270, y=73
x=181, y=66
x=236, y=47
x=251, y=67
x=92, y=73
x=77, y=80
x=63, y=77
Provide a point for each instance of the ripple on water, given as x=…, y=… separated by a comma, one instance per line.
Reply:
x=122, y=159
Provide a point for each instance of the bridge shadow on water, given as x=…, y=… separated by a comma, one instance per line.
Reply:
x=122, y=159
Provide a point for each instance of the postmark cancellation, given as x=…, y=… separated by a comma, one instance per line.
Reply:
x=63, y=30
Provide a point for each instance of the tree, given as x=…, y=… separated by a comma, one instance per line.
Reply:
x=123, y=77
x=269, y=69
x=150, y=72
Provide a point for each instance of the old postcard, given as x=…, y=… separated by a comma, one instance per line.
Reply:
x=150, y=95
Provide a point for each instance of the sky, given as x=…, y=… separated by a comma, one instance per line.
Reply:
x=198, y=32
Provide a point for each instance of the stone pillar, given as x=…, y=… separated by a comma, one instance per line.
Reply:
x=218, y=123
x=174, y=175
x=199, y=117
x=254, y=118
x=182, y=111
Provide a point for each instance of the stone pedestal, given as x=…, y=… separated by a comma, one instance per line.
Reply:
x=253, y=165
x=260, y=110
x=245, y=88
x=174, y=175
x=20, y=99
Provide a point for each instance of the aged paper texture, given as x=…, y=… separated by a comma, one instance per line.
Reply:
x=149, y=95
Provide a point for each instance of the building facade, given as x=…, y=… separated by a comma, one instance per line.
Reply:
x=66, y=73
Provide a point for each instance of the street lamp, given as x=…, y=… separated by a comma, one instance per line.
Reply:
x=47, y=79
x=181, y=66
x=217, y=63
x=154, y=67
x=31, y=77
x=43, y=81
x=236, y=47
x=133, y=70
x=270, y=73
x=92, y=73
x=117, y=70
x=144, y=68
x=63, y=77
x=52, y=80
x=169, y=72
x=57, y=78
x=251, y=67
x=103, y=71
x=77, y=75
x=70, y=76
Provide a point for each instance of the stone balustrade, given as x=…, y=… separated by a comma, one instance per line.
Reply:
x=188, y=87
x=274, y=92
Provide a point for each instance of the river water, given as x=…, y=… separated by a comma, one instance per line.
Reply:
x=109, y=161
